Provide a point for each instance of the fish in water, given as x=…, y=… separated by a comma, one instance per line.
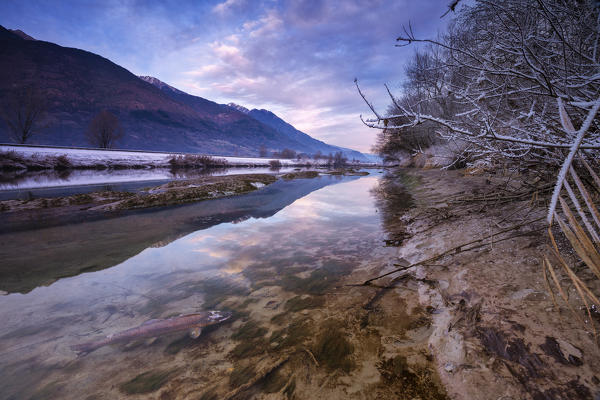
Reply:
x=157, y=327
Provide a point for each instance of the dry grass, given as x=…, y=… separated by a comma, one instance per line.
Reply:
x=580, y=223
x=196, y=161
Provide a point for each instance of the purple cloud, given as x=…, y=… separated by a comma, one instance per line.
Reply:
x=297, y=58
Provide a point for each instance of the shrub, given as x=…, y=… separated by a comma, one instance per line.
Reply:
x=275, y=164
x=62, y=162
x=196, y=161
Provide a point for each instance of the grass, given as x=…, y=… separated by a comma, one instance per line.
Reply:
x=294, y=334
x=241, y=374
x=414, y=381
x=274, y=382
x=146, y=382
x=581, y=228
x=250, y=330
x=252, y=341
x=196, y=161
x=300, y=303
x=209, y=395
x=300, y=175
x=332, y=349
x=179, y=192
x=249, y=349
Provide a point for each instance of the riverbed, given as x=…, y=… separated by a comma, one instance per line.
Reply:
x=279, y=259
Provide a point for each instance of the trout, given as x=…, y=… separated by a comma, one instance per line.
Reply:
x=157, y=327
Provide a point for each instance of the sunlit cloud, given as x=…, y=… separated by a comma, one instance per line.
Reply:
x=296, y=58
x=227, y=6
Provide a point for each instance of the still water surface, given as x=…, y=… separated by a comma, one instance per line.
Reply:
x=248, y=254
x=32, y=184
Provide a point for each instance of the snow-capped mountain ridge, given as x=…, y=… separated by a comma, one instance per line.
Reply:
x=238, y=107
x=158, y=83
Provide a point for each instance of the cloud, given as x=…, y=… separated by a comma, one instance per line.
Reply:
x=270, y=24
x=227, y=6
x=297, y=58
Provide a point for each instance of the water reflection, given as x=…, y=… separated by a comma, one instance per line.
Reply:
x=268, y=271
x=393, y=198
x=44, y=250
x=51, y=183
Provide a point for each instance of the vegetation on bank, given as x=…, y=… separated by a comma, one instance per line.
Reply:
x=13, y=160
x=488, y=93
x=512, y=84
x=197, y=161
x=174, y=192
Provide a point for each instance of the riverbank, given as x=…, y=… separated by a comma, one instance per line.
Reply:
x=289, y=260
x=495, y=331
x=36, y=158
x=168, y=194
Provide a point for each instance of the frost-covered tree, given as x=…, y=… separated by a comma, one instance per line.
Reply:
x=518, y=79
x=503, y=76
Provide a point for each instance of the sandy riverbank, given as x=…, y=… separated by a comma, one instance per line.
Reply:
x=495, y=331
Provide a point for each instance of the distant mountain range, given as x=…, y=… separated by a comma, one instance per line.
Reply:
x=155, y=116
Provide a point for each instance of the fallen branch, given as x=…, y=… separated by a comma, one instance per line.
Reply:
x=459, y=248
x=312, y=357
x=257, y=378
x=517, y=196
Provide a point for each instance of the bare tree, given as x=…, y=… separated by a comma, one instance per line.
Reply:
x=503, y=77
x=262, y=151
x=523, y=80
x=24, y=113
x=105, y=130
x=285, y=153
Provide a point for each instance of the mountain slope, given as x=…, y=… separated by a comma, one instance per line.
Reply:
x=77, y=84
x=229, y=120
x=311, y=144
x=270, y=130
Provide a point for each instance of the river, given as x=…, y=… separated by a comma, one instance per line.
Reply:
x=52, y=183
x=277, y=258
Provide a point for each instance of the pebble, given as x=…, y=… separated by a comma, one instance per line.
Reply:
x=521, y=294
x=449, y=367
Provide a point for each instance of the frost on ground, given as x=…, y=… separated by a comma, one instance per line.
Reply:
x=33, y=157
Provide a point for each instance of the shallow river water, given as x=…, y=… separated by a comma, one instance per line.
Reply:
x=276, y=258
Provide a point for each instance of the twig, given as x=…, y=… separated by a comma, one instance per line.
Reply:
x=257, y=378
x=457, y=249
x=311, y=356
x=287, y=385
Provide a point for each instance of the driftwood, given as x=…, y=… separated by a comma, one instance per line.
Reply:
x=457, y=249
x=498, y=197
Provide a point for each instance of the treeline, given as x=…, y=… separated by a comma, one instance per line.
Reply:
x=508, y=80
x=336, y=159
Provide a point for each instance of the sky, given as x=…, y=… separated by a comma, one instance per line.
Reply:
x=297, y=58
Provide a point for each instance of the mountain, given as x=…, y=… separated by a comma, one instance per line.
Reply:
x=78, y=84
x=236, y=126
x=310, y=144
x=274, y=132
x=239, y=108
x=21, y=34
